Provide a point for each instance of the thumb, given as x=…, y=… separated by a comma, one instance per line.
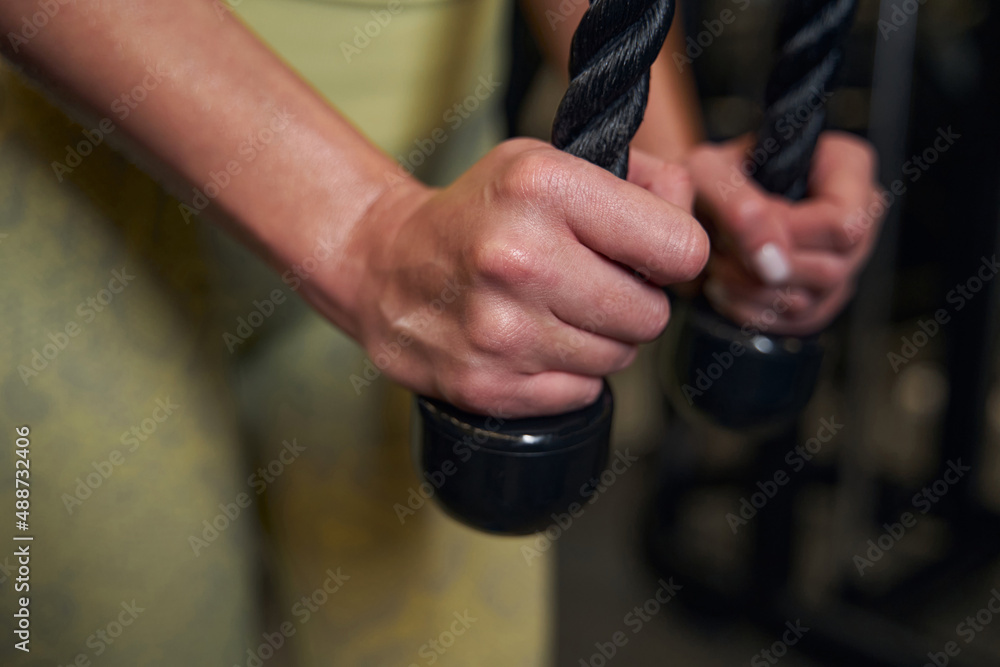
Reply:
x=741, y=210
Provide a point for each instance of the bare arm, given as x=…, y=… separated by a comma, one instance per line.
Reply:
x=805, y=247
x=503, y=292
x=210, y=84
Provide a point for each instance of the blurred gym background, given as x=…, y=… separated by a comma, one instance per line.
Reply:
x=885, y=556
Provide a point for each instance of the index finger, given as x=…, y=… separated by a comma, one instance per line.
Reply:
x=627, y=224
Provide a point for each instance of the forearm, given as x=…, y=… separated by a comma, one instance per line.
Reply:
x=672, y=124
x=209, y=87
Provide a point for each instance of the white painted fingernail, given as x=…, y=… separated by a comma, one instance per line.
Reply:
x=771, y=264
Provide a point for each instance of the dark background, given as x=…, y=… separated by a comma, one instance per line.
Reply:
x=795, y=561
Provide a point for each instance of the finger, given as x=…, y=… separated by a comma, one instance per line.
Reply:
x=603, y=298
x=821, y=271
x=548, y=393
x=789, y=303
x=632, y=226
x=498, y=391
x=842, y=189
x=766, y=318
x=728, y=285
x=580, y=352
x=820, y=225
x=742, y=210
x=818, y=271
x=843, y=169
x=671, y=182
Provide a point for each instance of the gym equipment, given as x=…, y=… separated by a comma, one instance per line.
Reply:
x=511, y=476
x=741, y=376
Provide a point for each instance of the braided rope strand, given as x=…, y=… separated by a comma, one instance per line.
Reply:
x=811, y=49
x=612, y=51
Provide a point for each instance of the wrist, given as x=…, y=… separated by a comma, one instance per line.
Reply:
x=338, y=290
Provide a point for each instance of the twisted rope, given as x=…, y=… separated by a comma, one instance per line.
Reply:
x=811, y=40
x=612, y=51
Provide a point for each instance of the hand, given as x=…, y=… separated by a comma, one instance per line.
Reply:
x=797, y=260
x=515, y=289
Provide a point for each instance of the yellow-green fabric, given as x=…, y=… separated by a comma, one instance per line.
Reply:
x=122, y=539
x=148, y=386
x=397, y=68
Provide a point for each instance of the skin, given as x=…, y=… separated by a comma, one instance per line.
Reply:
x=815, y=235
x=548, y=297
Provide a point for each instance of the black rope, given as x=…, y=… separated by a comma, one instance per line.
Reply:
x=617, y=42
x=810, y=50
x=613, y=49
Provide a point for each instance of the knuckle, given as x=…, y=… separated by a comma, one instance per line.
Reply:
x=507, y=259
x=498, y=331
x=531, y=174
x=518, y=145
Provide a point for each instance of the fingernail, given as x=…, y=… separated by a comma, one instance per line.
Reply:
x=771, y=264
